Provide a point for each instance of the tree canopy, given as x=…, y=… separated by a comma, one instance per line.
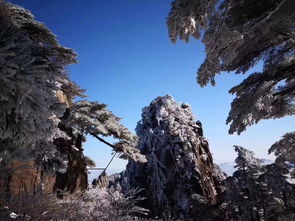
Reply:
x=36, y=92
x=32, y=67
x=237, y=35
x=92, y=118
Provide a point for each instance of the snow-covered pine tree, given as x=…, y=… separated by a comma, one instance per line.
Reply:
x=284, y=149
x=35, y=93
x=92, y=118
x=32, y=70
x=259, y=192
x=242, y=190
x=277, y=192
x=237, y=35
x=49, y=154
x=279, y=178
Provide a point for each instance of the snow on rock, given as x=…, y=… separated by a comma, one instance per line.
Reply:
x=179, y=166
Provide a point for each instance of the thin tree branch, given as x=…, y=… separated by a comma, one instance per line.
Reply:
x=109, y=144
x=285, y=91
x=103, y=141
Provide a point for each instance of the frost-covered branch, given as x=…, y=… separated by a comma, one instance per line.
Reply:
x=32, y=70
x=284, y=149
x=257, y=191
x=237, y=35
x=93, y=118
x=265, y=95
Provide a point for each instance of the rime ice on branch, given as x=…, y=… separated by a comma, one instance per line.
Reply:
x=237, y=35
x=94, y=119
x=32, y=69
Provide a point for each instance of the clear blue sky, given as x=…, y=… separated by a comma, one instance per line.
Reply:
x=126, y=60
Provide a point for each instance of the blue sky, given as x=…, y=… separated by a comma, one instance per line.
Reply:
x=126, y=60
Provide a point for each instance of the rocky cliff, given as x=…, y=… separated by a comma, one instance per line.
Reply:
x=25, y=177
x=180, y=169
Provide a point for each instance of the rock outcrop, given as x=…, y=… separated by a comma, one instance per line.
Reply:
x=25, y=177
x=117, y=181
x=180, y=168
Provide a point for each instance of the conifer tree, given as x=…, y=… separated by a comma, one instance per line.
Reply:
x=259, y=192
x=32, y=70
x=284, y=149
x=92, y=118
x=248, y=170
x=237, y=35
x=36, y=92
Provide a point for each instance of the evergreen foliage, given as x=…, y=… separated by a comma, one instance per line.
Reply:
x=237, y=35
x=259, y=192
x=36, y=92
x=284, y=149
x=94, y=119
x=32, y=70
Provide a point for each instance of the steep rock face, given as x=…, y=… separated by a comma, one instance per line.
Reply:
x=25, y=177
x=180, y=167
x=29, y=178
